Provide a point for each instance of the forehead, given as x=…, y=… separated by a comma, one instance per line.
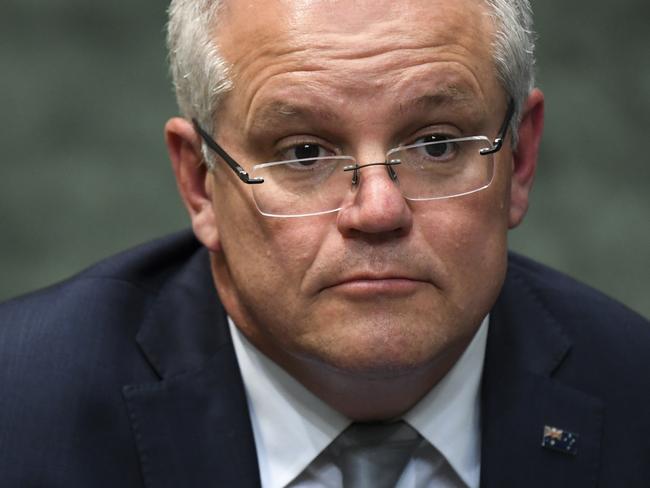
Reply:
x=294, y=21
x=352, y=49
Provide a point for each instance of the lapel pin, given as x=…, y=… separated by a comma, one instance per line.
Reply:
x=560, y=440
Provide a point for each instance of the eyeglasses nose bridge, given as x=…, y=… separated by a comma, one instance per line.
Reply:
x=389, y=168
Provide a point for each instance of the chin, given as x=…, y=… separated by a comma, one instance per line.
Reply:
x=380, y=349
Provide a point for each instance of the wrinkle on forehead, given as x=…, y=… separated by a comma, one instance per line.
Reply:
x=354, y=47
x=284, y=108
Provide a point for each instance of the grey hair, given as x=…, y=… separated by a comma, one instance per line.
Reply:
x=201, y=75
x=513, y=51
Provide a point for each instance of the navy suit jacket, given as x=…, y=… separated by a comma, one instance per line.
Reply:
x=125, y=376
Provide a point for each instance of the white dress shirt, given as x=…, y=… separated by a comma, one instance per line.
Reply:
x=292, y=427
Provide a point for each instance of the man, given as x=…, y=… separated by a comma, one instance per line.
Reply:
x=351, y=170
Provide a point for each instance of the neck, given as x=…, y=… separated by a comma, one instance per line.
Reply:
x=375, y=397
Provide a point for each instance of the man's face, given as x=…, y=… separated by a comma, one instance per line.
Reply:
x=385, y=286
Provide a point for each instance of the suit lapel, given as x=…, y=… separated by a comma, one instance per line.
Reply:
x=526, y=346
x=192, y=428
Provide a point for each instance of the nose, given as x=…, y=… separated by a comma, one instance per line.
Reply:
x=375, y=206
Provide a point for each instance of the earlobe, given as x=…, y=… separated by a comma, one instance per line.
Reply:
x=193, y=180
x=525, y=156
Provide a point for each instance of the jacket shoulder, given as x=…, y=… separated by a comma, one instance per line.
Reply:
x=609, y=342
x=567, y=298
x=117, y=290
x=143, y=269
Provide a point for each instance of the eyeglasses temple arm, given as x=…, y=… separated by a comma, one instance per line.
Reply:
x=498, y=142
x=212, y=144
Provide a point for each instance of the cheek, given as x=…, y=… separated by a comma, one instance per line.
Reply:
x=469, y=236
x=261, y=266
x=269, y=256
x=252, y=241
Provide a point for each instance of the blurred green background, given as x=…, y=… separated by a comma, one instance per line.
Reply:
x=84, y=95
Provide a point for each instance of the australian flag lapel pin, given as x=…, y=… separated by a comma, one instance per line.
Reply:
x=560, y=440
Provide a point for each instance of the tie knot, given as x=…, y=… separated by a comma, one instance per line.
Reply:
x=373, y=434
x=374, y=454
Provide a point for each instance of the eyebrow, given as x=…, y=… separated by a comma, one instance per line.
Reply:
x=441, y=98
x=279, y=111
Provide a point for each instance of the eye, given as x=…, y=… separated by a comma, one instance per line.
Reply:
x=307, y=151
x=435, y=146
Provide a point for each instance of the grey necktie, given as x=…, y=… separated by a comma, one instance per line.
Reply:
x=373, y=455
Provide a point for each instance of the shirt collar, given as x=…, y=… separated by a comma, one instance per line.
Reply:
x=292, y=426
x=448, y=417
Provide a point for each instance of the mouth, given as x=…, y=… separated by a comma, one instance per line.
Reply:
x=365, y=286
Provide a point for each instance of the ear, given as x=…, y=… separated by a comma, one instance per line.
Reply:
x=525, y=156
x=194, y=181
